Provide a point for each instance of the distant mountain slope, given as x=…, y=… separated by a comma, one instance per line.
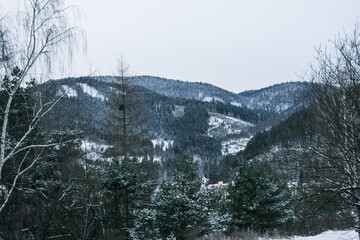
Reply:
x=180, y=119
x=297, y=130
x=280, y=98
x=84, y=106
x=188, y=90
x=181, y=89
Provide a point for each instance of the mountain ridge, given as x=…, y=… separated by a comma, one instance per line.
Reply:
x=283, y=98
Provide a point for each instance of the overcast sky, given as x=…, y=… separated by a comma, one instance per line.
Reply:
x=234, y=44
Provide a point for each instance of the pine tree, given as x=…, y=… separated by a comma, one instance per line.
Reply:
x=121, y=185
x=259, y=199
x=145, y=226
x=183, y=208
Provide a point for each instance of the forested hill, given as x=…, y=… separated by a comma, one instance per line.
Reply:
x=176, y=124
x=284, y=98
x=280, y=99
x=196, y=127
x=297, y=130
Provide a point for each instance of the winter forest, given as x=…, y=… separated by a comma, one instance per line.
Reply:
x=144, y=157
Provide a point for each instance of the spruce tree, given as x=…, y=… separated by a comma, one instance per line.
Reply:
x=258, y=199
x=120, y=186
x=184, y=209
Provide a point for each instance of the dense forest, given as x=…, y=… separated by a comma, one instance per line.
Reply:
x=141, y=157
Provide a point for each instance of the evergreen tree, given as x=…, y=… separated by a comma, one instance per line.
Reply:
x=121, y=185
x=259, y=199
x=50, y=198
x=183, y=208
x=145, y=226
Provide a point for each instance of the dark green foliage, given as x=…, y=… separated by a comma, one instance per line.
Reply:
x=145, y=225
x=297, y=129
x=183, y=209
x=259, y=199
x=177, y=210
x=246, y=114
x=57, y=197
x=227, y=168
x=120, y=178
x=126, y=189
x=121, y=187
x=22, y=109
x=190, y=132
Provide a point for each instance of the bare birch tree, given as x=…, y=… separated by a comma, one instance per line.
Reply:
x=336, y=100
x=31, y=41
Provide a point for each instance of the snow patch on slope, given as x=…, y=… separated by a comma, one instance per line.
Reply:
x=93, y=150
x=236, y=104
x=225, y=123
x=91, y=91
x=210, y=99
x=233, y=132
x=233, y=146
x=157, y=158
x=68, y=91
x=164, y=144
x=178, y=111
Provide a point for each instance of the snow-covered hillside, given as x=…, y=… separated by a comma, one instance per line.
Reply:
x=233, y=132
x=162, y=143
x=91, y=91
x=278, y=98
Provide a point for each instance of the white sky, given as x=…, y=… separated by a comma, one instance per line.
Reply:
x=234, y=44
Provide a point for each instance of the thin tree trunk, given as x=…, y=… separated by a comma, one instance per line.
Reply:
x=127, y=216
x=358, y=221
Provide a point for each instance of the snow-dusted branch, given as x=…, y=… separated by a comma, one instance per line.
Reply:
x=40, y=37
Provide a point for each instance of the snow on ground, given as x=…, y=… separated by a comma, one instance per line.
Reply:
x=156, y=158
x=231, y=125
x=164, y=144
x=282, y=107
x=233, y=146
x=210, y=99
x=92, y=91
x=328, y=235
x=233, y=130
x=236, y=104
x=93, y=150
x=178, y=111
x=68, y=91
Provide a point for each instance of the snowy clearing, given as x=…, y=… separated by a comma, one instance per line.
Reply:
x=328, y=235
x=68, y=91
x=226, y=124
x=164, y=144
x=92, y=91
x=233, y=146
x=236, y=104
x=178, y=111
x=157, y=158
x=210, y=99
x=93, y=150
